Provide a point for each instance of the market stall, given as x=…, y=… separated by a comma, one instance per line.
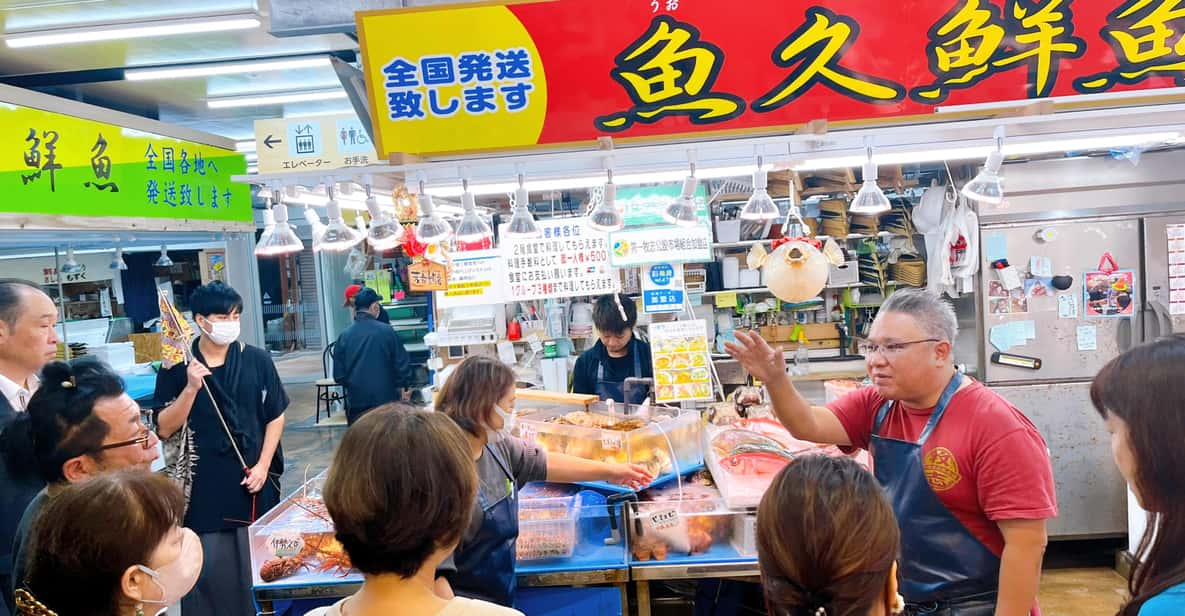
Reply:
x=792, y=221
x=104, y=209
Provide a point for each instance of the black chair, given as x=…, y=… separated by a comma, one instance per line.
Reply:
x=328, y=390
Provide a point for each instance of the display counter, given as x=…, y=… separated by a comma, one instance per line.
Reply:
x=570, y=538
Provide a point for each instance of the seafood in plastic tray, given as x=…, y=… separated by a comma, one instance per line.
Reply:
x=547, y=527
x=745, y=456
x=610, y=437
x=674, y=519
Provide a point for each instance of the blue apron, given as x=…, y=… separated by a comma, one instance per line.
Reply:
x=615, y=390
x=944, y=568
x=485, y=568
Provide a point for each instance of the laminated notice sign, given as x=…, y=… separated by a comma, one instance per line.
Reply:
x=679, y=350
x=475, y=280
x=568, y=259
x=1176, y=238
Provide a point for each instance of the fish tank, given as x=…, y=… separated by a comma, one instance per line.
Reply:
x=688, y=521
x=565, y=527
x=666, y=443
x=294, y=543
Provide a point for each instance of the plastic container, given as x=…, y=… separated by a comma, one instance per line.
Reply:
x=730, y=272
x=547, y=527
x=836, y=389
x=669, y=524
x=667, y=443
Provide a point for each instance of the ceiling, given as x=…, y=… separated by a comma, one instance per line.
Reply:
x=92, y=72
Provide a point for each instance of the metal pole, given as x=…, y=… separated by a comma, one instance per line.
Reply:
x=57, y=269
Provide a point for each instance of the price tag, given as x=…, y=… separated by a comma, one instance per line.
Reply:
x=726, y=300
x=662, y=520
x=611, y=441
x=285, y=543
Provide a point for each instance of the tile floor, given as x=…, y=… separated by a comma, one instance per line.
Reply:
x=1095, y=591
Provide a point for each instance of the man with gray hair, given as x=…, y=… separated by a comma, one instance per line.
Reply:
x=968, y=475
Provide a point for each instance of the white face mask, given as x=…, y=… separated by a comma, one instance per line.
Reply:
x=222, y=333
x=494, y=436
x=177, y=578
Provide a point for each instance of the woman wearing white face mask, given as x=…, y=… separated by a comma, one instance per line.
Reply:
x=223, y=497
x=137, y=560
x=479, y=396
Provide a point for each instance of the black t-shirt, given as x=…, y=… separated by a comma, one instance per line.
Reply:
x=617, y=369
x=218, y=501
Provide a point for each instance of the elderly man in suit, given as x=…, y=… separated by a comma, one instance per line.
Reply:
x=27, y=342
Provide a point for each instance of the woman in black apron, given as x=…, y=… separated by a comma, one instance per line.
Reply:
x=479, y=396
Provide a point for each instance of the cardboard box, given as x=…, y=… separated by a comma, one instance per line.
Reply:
x=147, y=346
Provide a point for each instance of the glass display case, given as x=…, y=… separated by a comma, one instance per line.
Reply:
x=667, y=442
x=294, y=544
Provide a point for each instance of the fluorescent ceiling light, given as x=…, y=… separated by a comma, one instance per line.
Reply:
x=319, y=114
x=1073, y=98
x=1011, y=148
x=246, y=145
x=275, y=98
x=224, y=68
x=114, y=32
x=250, y=157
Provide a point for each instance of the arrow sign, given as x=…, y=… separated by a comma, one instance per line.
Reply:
x=270, y=142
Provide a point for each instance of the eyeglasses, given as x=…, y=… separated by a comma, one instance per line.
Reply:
x=144, y=441
x=890, y=349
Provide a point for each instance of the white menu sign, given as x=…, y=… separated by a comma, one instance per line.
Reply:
x=568, y=259
x=476, y=279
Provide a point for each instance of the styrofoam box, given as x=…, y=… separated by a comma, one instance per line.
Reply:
x=728, y=231
x=119, y=355
x=848, y=273
x=744, y=535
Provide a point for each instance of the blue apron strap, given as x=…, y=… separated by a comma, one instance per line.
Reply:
x=940, y=408
x=880, y=416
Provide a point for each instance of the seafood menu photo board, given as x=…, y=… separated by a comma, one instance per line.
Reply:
x=681, y=364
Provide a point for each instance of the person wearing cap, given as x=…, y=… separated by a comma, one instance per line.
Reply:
x=617, y=355
x=369, y=359
x=353, y=290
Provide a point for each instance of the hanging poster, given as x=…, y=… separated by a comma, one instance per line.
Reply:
x=662, y=288
x=567, y=260
x=425, y=275
x=475, y=280
x=680, y=353
x=1109, y=294
x=1176, y=235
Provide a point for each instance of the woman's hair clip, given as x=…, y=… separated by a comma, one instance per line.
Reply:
x=70, y=384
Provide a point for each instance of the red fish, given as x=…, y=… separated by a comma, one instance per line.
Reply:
x=754, y=463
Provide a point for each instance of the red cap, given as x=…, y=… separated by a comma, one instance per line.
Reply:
x=351, y=291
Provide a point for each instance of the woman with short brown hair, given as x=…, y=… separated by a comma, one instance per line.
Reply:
x=400, y=491
x=110, y=546
x=827, y=542
x=479, y=397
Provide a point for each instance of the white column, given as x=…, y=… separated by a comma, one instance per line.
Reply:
x=242, y=273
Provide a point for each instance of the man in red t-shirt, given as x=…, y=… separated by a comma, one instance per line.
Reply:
x=968, y=475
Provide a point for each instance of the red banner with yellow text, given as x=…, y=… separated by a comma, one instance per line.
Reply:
x=488, y=77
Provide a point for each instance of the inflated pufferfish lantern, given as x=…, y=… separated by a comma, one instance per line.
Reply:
x=798, y=267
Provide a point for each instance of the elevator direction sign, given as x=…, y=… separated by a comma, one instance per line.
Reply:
x=313, y=144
